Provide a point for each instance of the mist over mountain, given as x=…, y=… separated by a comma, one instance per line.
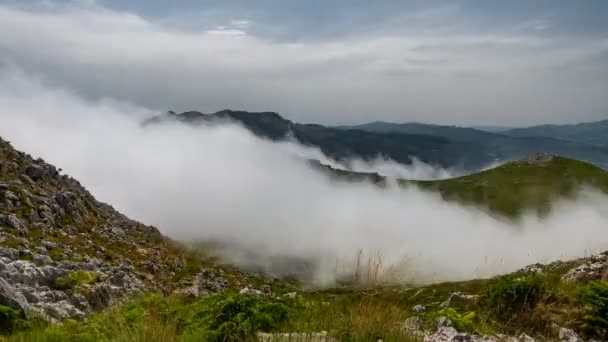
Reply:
x=396, y=171
x=453, y=147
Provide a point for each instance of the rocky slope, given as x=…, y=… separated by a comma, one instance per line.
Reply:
x=64, y=254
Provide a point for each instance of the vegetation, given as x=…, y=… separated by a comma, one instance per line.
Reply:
x=227, y=317
x=595, y=298
x=76, y=278
x=515, y=187
x=11, y=319
x=462, y=322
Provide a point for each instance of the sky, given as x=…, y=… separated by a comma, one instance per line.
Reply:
x=463, y=62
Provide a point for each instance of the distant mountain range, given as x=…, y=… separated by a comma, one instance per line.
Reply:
x=595, y=133
x=446, y=146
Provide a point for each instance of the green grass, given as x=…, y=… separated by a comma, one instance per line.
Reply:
x=229, y=317
x=76, y=278
x=510, y=304
x=515, y=187
x=595, y=297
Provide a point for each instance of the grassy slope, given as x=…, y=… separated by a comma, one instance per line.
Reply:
x=517, y=186
x=509, y=189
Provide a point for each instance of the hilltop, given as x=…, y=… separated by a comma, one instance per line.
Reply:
x=510, y=189
x=528, y=184
x=446, y=146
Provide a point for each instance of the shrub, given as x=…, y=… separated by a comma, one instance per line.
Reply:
x=461, y=322
x=10, y=319
x=514, y=295
x=235, y=317
x=75, y=278
x=595, y=298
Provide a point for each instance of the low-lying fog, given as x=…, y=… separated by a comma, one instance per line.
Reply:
x=222, y=183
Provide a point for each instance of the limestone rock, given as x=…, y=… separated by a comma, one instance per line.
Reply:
x=412, y=323
x=459, y=299
x=10, y=297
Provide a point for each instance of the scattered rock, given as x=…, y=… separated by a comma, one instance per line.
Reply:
x=443, y=322
x=10, y=297
x=459, y=299
x=34, y=172
x=10, y=253
x=13, y=221
x=568, y=335
x=251, y=291
x=535, y=268
x=412, y=324
x=418, y=308
x=593, y=268
x=524, y=338
x=296, y=337
x=62, y=310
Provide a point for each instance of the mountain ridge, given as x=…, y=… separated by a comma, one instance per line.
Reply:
x=444, y=146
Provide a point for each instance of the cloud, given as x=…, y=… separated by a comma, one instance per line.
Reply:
x=422, y=67
x=222, y=183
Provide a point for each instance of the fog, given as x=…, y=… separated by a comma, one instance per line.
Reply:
x=221, y=183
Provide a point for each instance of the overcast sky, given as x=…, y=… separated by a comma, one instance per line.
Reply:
x=325, y=61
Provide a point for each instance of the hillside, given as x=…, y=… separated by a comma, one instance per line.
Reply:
x=594, y=133
x=445, y=146
x=65, y=257
x=510, y=189
x=529, y=184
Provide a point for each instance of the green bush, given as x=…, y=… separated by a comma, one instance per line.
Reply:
x=234, y=317
x=513, y=295
x=10, y=319
x=461, y=322
x=595, y=298
x=75, y=278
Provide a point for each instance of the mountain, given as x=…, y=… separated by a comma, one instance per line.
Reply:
x=66, y=257
x=340, y=143
x=594, y=133
x=454, y=133
x=445, y=146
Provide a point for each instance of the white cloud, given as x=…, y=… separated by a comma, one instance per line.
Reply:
x=224, y=183
x=240, y=24
x=392, y=73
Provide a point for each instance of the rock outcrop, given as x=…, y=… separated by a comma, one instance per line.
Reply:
x=592, y=268
x=65, y=254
